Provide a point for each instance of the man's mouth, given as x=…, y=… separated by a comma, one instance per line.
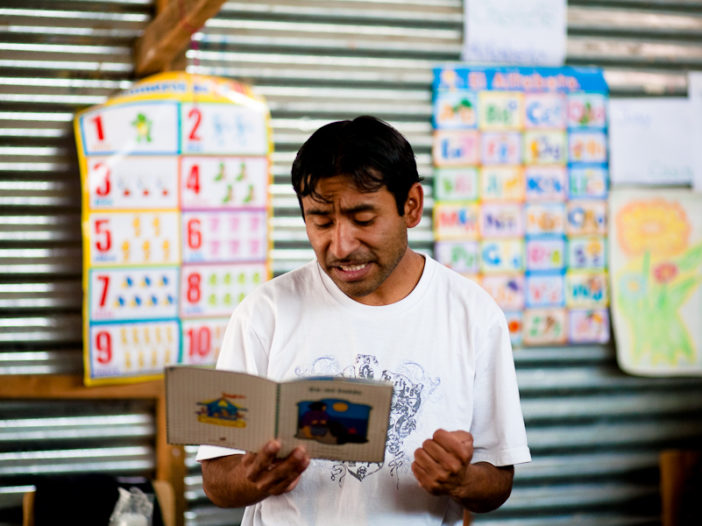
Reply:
x=353, y=268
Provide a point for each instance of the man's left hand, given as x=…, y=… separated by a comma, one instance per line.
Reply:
x=440, y=464
x=443, y=466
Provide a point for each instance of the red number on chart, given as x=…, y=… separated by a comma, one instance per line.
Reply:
x=194, y=234
x=197, y=115
x=102, y=229
x=105, y=281
x=100, y=169
x=98, y=127
x=103, y=346
x=193, y=293
x=192, y=183
x=200, y=341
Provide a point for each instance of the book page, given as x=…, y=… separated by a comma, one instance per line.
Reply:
x=221, y=408
x=335, y=418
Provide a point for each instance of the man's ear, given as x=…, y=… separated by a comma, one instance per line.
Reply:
x=414, y=205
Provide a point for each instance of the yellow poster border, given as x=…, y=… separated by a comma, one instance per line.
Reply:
x=179, y=87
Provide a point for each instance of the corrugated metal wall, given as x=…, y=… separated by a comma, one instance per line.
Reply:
x=595, y=432
x=55, y=57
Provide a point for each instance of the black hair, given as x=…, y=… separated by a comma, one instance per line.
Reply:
x=367, y=149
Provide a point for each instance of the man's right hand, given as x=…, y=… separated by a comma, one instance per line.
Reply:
x=240, y=480
x=273, y=476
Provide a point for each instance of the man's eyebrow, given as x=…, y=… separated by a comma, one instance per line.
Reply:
x=363, y=207
x=317, y=212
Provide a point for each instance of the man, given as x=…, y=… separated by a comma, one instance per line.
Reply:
x=370, y=306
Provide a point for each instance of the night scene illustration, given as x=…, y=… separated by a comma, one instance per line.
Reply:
x=332, y=421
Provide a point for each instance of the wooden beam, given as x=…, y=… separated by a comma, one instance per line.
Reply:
x=169, y=33
x=71, y=386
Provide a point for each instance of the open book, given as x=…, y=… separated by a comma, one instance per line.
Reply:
x=332, y=417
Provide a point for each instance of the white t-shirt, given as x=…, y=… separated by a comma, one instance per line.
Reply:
x=446, y=349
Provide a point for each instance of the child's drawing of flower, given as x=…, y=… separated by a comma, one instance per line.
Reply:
x=655, y=226
x=663, y=271
x=633, y=285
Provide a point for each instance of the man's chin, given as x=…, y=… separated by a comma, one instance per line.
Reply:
x=355, y=290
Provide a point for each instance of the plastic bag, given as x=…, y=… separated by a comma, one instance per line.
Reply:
x=133, y=508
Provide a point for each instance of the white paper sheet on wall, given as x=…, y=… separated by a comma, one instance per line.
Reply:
x=694, y=93
x=513, y=32
x=652, y=141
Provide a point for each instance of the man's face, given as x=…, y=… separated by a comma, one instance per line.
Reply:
x=359, y=239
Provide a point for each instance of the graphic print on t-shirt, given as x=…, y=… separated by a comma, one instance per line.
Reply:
x=411, y=387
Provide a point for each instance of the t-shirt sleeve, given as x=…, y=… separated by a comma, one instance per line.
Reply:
x=498, y=425
x=242, y=350
x=242, y=347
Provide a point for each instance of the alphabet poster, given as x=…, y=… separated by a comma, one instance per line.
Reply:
x=175, y=207
x=656, y=265
x=520, y=184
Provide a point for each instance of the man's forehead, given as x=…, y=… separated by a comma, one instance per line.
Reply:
x=327, y=191
x=355, y=201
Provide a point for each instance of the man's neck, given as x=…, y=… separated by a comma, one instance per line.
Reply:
x=400, y=283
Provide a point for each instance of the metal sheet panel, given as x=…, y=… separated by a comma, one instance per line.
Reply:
x=595, y=432
x=51, y=437
x=55, y=58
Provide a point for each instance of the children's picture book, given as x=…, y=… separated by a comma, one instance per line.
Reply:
x=335, y=418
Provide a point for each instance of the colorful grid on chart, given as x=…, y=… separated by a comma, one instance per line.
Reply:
x=520, y=185
x=175, y=176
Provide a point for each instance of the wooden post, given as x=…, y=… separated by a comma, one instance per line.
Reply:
x=168, y=35
x=170, y=461
x=681, y=487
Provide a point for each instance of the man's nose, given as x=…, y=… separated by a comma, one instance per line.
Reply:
x=344, y=240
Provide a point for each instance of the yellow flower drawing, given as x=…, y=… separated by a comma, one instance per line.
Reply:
x=655, y=226
x=662, y=273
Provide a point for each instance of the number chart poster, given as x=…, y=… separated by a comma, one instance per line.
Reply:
x=520, y=186
x=656, y=267
x=175, y=208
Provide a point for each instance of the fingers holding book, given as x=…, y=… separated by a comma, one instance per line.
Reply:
x=272, y=475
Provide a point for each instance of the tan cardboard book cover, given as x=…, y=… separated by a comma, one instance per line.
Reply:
x=332, y=417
